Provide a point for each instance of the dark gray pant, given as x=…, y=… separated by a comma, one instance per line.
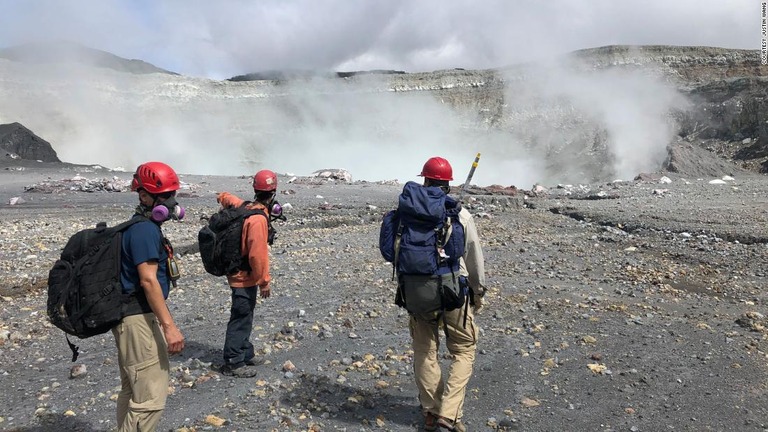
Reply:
x=237, y=345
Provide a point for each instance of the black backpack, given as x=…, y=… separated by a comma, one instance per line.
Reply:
x=85, y=294
x=220, y=240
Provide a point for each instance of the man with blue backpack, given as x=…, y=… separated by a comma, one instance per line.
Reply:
x=434, y=247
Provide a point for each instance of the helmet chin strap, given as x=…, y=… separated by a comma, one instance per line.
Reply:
x=145, y=211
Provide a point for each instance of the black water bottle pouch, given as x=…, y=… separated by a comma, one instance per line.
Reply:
x=452, y=293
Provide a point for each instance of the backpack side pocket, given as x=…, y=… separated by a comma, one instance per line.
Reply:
x=453, y=293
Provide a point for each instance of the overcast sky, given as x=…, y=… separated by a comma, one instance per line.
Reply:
x=223, y=38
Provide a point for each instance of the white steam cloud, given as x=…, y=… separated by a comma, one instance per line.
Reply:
x=539, y=132
x=547, y=130
x=592, y=124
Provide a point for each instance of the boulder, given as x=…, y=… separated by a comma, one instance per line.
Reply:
x=690, y=160
x=18, y=142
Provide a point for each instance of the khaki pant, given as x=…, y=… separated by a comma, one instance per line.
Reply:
x=443, y=397
x=142, y=355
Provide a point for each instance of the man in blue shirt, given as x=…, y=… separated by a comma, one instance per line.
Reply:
x=147, y=333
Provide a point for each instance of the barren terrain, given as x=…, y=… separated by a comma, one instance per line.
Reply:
x=630, y=306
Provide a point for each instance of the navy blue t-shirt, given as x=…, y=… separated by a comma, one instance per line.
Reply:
x=142, y=242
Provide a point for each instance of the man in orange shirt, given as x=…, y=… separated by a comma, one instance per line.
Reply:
x=247, y=283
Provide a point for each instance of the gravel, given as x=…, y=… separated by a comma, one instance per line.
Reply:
x=628, y=310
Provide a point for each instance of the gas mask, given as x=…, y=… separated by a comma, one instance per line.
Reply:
x=168, y=209
x=276, y=211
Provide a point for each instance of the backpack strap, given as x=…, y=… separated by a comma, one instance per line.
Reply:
x=447, y=230
x=74, y=348
x=442, y=235
x=141, y=218
x=398, y=237
x=466, y=311
x=440, y=239
x=171, y=265
x=244, y=265
x=255, y=211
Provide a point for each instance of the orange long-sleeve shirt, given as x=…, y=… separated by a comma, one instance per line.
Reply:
x=253, y=243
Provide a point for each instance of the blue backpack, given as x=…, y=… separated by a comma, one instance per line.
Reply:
x=424, y=241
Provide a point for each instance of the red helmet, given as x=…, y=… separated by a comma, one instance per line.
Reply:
x=265, y=181
x=437, y=168
x=155, y=178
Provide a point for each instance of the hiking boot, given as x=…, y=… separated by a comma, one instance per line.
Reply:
x=243, y=371
x=430, y=422
x=253, y=361
x=445, y=425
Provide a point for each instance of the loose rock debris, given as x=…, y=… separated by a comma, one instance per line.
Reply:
x=80, y=184
x=616, y=310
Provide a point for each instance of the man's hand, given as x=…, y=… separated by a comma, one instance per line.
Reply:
x=173, y=338
x=478, y=301
x=265, y=291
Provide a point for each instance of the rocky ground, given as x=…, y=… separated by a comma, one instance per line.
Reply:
x=631, y=306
